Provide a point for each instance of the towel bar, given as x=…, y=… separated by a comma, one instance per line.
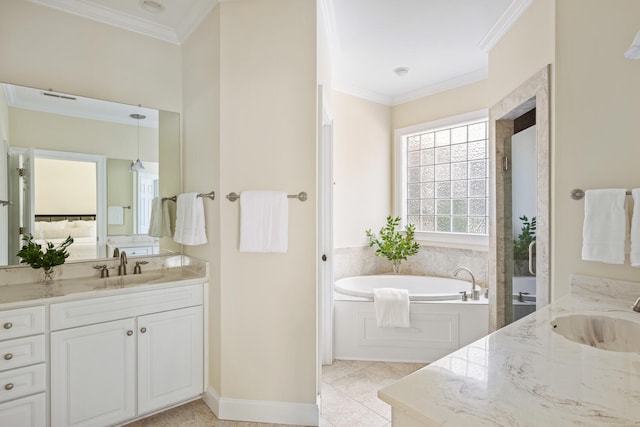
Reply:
x=210, y=195
x=302, y=196
x=578, y=194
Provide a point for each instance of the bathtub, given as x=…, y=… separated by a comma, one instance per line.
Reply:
x=440, y=321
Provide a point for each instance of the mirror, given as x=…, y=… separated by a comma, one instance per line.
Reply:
x=66, y=169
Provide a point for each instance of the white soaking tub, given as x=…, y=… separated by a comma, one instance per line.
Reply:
x=440, y=321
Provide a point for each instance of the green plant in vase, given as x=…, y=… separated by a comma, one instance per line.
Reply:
x=32, y=254
x=392, y=244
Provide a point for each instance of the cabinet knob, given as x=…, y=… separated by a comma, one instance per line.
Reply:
x=129, y=333
x=8, y=356
x=8, y=325
x=8, y=386
x=143, y=329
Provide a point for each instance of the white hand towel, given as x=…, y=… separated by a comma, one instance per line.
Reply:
x=190, y=227
x=392, y=307
x=605, y=220
x=155, y=222
x=264, y=221
x=115, y=215
x=168, y=215
x=635, y=229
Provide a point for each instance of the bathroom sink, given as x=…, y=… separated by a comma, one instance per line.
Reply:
x=606, y=333
x=124, y=281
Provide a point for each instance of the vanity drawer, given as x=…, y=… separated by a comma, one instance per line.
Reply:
x=21, y=352
x=22, y=382
x=96, y=310
x=21, y=322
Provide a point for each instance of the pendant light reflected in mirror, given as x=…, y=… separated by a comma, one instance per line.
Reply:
x=137, y=165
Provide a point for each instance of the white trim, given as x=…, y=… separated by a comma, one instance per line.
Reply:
x=400, y=181
x=455, y=82
x=106, y=15
x=262, y=411
x=359, y=92
x=504, y=24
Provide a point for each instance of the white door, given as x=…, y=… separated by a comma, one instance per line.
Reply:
x=4, y=202
x=93, y=374
x=325, y=233
x=170, y=358
x=146, y=191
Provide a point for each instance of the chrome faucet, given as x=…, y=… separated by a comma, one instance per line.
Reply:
x=475, y=294
x=122, y=268
x=636, y=306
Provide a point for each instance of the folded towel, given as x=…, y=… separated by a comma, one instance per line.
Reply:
x=190, y=227
x=155, y=221
x=604, y=227
x=264, y=221
x=392, y=307
x=115, y=215
x=635, y=229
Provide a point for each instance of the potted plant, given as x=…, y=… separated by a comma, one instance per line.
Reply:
x=521, y=246
x=392, y=244
x=32, y=254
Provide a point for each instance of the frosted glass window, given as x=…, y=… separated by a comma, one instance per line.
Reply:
x=447, y=175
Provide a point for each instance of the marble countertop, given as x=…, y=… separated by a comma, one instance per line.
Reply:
x=527, y=375
x=21, y=285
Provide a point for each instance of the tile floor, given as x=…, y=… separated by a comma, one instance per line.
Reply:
x=348, y=399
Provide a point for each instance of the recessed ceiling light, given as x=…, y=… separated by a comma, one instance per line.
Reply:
x=401, y=71
x=151, y=6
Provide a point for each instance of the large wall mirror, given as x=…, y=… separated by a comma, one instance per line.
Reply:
x=86, y=168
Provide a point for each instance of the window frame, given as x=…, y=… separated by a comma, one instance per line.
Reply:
x=476, y=241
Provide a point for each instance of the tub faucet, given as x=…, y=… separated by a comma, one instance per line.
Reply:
x=475, y=294
x=636, y=306
x=122, y=268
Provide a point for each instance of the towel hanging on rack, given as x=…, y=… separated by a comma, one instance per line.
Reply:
x=604, y=226
x=264, y=221
x=190, y=225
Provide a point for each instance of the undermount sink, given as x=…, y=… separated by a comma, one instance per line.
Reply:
x=124, y=281
x=606, y=333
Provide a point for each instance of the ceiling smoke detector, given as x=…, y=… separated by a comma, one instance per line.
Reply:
x=151, y=6
x=401, y=71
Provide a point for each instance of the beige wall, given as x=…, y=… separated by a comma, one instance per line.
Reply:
x=268, y=142
x=596, y=133
x=48, y=131
x=525, y=49
x=361, y=168
x=43, y=48
x=201, y=132
x=78, y=179
x=120, y=193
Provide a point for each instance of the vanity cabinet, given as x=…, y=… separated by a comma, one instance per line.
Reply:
x=119, y=357
x=22, y=367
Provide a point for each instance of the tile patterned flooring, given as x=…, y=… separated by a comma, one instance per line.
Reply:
x=348, y=393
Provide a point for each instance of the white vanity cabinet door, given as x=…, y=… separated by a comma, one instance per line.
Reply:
x=26, y=412
x=93, y=374
x=170, y=358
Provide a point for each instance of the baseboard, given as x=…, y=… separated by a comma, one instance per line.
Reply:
x=262, y=411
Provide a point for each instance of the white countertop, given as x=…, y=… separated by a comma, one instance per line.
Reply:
x=527, y=375
x=22, y=285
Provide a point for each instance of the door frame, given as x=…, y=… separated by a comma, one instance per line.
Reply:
x=533, y=93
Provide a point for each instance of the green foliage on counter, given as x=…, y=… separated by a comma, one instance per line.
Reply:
x=32, y=253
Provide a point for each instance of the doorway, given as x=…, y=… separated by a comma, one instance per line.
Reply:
x=532, y=94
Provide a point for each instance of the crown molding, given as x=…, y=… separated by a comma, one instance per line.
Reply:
x=359, y=92
x=111, y=17
x=462, y=80
x=503, y=24
x=193, y=19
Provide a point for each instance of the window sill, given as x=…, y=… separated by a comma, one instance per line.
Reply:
x=453, y=240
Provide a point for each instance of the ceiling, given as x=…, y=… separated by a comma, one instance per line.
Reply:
x=443, y=43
